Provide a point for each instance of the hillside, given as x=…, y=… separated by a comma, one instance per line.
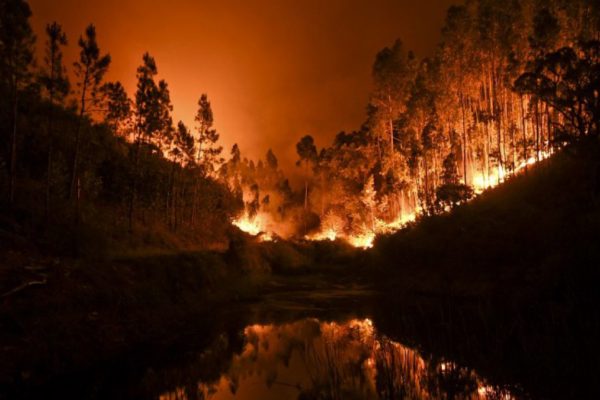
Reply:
x=507, y=283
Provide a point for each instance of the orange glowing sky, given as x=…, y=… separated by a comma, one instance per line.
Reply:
x=274, y=70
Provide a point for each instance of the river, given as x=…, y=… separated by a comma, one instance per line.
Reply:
x=303, y=344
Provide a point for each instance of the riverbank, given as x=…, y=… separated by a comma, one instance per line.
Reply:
x=63, y=315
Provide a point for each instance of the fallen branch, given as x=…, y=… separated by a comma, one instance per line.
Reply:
x=24, y=286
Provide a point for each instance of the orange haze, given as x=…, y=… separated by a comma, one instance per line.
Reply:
x=274, y=70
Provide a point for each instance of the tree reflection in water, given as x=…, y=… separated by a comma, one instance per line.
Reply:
x=310, y=359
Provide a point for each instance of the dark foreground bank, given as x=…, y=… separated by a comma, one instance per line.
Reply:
x=508, y=282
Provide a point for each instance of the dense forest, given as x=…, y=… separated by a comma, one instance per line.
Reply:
x=83, y=162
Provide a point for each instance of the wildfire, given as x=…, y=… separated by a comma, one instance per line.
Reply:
x=498, y=174
x=248, y=225
x=363, y=241
x=366, y=238
x=255, y=226
x=327, y=234
x=363, y=237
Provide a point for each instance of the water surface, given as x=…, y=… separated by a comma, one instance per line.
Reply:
x=313, y=359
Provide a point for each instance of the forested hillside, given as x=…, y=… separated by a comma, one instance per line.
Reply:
x=84, y=162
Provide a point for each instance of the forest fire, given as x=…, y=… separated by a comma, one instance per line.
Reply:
x=366, y=238
x=363, y=236
x=128, y=207
x=255, y=226
x=440, y=131
x=364, y=241
x=483, y=181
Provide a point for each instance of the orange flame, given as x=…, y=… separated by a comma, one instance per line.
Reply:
x=255, y=226
x=498, y=174
x=364, y=236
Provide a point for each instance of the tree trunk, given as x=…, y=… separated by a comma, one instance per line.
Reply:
x=170, y=211
x=464, y=137
x=50, y=143
x=133, y=194
x=306, y=185
x=427, y=202
x=510, y=120
x=73, y=192
x=13, y=146
x=48, y=177
x=524, y=128
x=537, y=131
x=549, y=126
x=194, y=198
x=305, y=194
x=498, y=120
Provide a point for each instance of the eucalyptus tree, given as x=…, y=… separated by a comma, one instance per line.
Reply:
x=16, y=57
x=495, y=33
x=544, y=38
x=393, y=71
x=424, y=123
x=568, y=80
x=459, y=58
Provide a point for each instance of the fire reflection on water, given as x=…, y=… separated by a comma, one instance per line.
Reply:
x=310, y=359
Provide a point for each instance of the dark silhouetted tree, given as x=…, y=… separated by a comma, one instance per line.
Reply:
x=89, y=71
x=307, y=151
x=568, y=80
x=118, y=112
x=16, y=55
x=208, y=151
x=55, y=83
x=271, y=160
x=452, y=192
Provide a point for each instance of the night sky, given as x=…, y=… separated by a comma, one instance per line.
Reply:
x=274, y=69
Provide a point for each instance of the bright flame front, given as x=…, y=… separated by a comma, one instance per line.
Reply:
x=255, y=226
